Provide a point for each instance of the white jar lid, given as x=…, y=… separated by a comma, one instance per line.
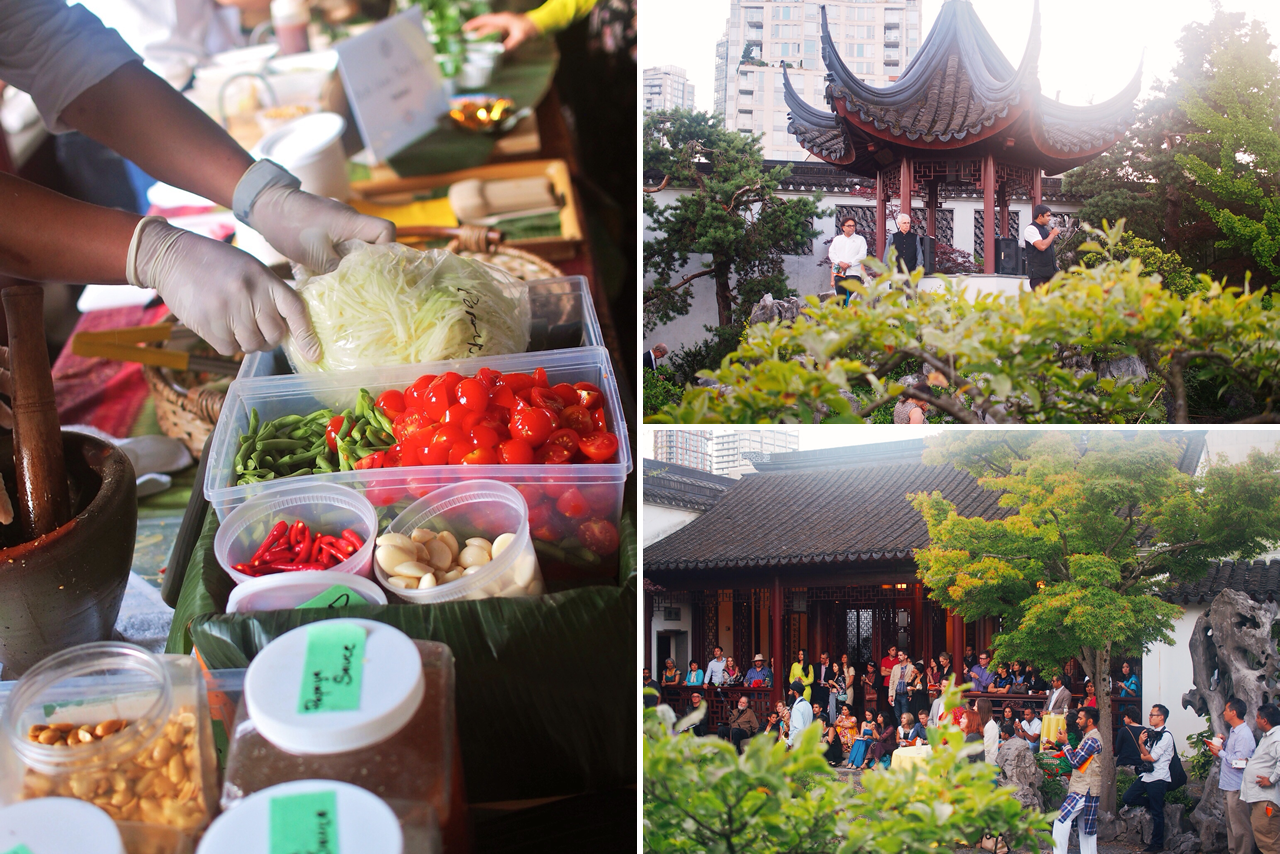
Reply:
x=287, y=590
x=365, y=824
x=391, y=689
x=59, y=826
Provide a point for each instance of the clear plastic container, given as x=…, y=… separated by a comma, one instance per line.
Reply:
x=62, y=825
x=353, y=818
x=288, y=590
x=474, y=508
x=563, y=317
x=143, y=743
x=563, y=557
x=326, y=508
x=400, y=743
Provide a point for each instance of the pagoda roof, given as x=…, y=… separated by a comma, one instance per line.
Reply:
x=958, y=97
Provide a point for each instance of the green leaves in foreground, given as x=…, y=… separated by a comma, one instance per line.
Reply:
x=699, y=795
x=1002, y=358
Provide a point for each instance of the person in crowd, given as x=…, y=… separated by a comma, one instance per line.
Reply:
x=867, y=736
x=990, y=729
x=1128, y=682
x=742, y=725
x=1235, y=754
x=836, y=692
x=1011, y=744
x=820, y=715
x=1035, y=682
x=911, y=731
x=1007, y=733
x=1083, y=792
x=909, y=410
x=759, y=676
x=784, y=718
x=1007, y=716
x=846, y=727
x=971, y=726
x=774, y=726
x=970, y=658
x=1029, y=728
x=1017, y=672
x=1261, y=774
x=1090, y=694
x=1155, y=745
x=801, y=669
x=1126, y=747
x=1003, y=681
x=870, y=688
x=908, y=246
x=833, y=752
x=801, y=709
x=695, y=677
x=899, y=677
x=700, y=727
x=651, y=357
x=732, y=675
x=848, y=249
x=945, y=668
x=886, y=742
x=647, y=681
x=918, y=694
x=714, y=674
x=1038, y=240
x=1059, y=700
x=886, y=669
x=823, y=674
x=936, y=711
x=671, y=676
x=979, y=673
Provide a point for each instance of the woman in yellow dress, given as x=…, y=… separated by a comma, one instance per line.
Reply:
x=846, y=727
x=802, y=670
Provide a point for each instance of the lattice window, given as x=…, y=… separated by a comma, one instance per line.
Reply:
x=859, y=625
x=742, y=640
x=979, y=229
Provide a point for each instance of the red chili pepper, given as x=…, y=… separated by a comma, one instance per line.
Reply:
x=328, y=549
x=275, y=556
x=277, y=531
x=298, y=567
x=304, y=548
x=352, y=537
x=327, y=558
x=295, y=533
x=243, y=567
x=315, y=551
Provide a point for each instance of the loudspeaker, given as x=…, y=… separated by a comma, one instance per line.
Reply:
x=930, y=247
x=1008, y=256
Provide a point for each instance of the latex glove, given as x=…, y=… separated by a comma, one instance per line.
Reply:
x=225, y=296
x=305, y=228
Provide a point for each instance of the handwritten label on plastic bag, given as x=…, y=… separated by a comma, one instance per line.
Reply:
x=333, y=668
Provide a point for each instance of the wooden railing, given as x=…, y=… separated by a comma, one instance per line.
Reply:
x=721, y=700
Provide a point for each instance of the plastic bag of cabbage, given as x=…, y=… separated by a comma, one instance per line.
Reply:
x=388, y=304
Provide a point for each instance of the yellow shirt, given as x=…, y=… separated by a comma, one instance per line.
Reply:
x=798, y=673
x=556, y=15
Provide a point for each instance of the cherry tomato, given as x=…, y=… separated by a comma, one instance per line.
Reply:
x=540, y=378
x=599, y=535
x=391, y=403
x=435, y=455
x=572, y=504
x=546, y=398
x=532, y=493
x=555, y=490
x=543, y=524
x=411, y=421
x=567, y=393
x=473, y=394
x=588, y=395
x=578, y=419
x=451, y=380
x=383, y=496
x=552, y=455
x=503, y=396
x=602, y=423
x=331, y=432
x=515, y=452
x=459, y=414
x=531, y=424
x=517, y=382
x=481, y=456
x=458, y=451
x=435, y=401
x=415, y=394
x=484, y=436
x=496, y=420
x=489, y=377
x=602, y=497
x=566, y=438
x=373, y=461
x=394, y=456
x=449, y=435
x=599, y=446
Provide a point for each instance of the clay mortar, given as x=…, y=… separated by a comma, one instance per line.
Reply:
x=65, y=588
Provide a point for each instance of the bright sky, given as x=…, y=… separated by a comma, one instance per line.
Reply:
x=815, y=437
x=1089, y=48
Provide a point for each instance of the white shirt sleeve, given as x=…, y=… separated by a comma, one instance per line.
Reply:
x=1030, y=234
x=991, y=741
x=54, y=52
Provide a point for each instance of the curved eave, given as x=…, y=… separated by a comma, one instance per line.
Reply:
x=970, y=135
x=1102, y=124
x=1113, y=109
x=818, y=132
x=789, y=560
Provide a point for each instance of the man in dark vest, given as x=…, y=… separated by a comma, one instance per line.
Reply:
x=1041, y=263
x=909, y=247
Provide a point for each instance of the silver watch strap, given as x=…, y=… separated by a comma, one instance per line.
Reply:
x=257, y=178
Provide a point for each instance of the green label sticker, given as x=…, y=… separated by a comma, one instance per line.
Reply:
x=21, y=849
x=337, y=596
x=305, y=824
x=333, y=668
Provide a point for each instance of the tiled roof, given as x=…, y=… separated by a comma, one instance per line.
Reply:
x=674, y=485
x=853, y=512
x=1258, y=579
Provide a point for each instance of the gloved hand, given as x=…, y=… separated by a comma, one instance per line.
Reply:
x=305, y=227
x=225, y=296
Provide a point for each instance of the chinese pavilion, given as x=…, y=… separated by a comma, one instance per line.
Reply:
x=960, y=114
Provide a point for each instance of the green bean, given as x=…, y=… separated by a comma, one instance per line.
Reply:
x=268, y=431
x=281, y=444
x=361, y=453
x=256, y=459
x=549, y=550
x=300, y=457
x=254, y=423
x=587, y=555
x=382, y=420
x=322, y=464
x=348, y=423
x=298, y=473
x=288, y=420
x=242, y=456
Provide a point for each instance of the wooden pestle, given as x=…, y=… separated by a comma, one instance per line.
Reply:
x=44, y=498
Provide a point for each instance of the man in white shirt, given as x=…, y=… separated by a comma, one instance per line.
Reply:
x=1235, y=754
x=1258, y=788
x=1155, y=746
x=1029, y=727
x=715, y=668
x=1038, y=239
x=801, y=714
x=847, y=252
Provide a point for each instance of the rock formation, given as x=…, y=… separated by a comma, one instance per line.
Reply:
x=1018, y=769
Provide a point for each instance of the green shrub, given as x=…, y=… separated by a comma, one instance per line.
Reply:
x=660, y=389
x=1175, y=275
x=1200, y=760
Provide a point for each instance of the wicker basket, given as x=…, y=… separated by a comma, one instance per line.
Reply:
x=185, y=414
x=474, y=242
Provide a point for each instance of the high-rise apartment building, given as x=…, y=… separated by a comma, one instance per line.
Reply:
x=666, y=87
x=728, y=448
x=875, y=38
x=690, y=448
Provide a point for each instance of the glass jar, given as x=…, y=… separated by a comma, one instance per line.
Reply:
x=399, y=743
x=118, y=727
x=315, y=815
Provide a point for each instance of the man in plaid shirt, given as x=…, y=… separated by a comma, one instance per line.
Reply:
x=1086, y=785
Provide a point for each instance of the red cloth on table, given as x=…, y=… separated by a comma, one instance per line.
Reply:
x=101, y=392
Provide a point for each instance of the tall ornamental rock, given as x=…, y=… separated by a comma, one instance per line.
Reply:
x=1232, y=640
x=1019, y=770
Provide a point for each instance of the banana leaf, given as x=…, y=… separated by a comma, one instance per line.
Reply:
x=546, y=702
